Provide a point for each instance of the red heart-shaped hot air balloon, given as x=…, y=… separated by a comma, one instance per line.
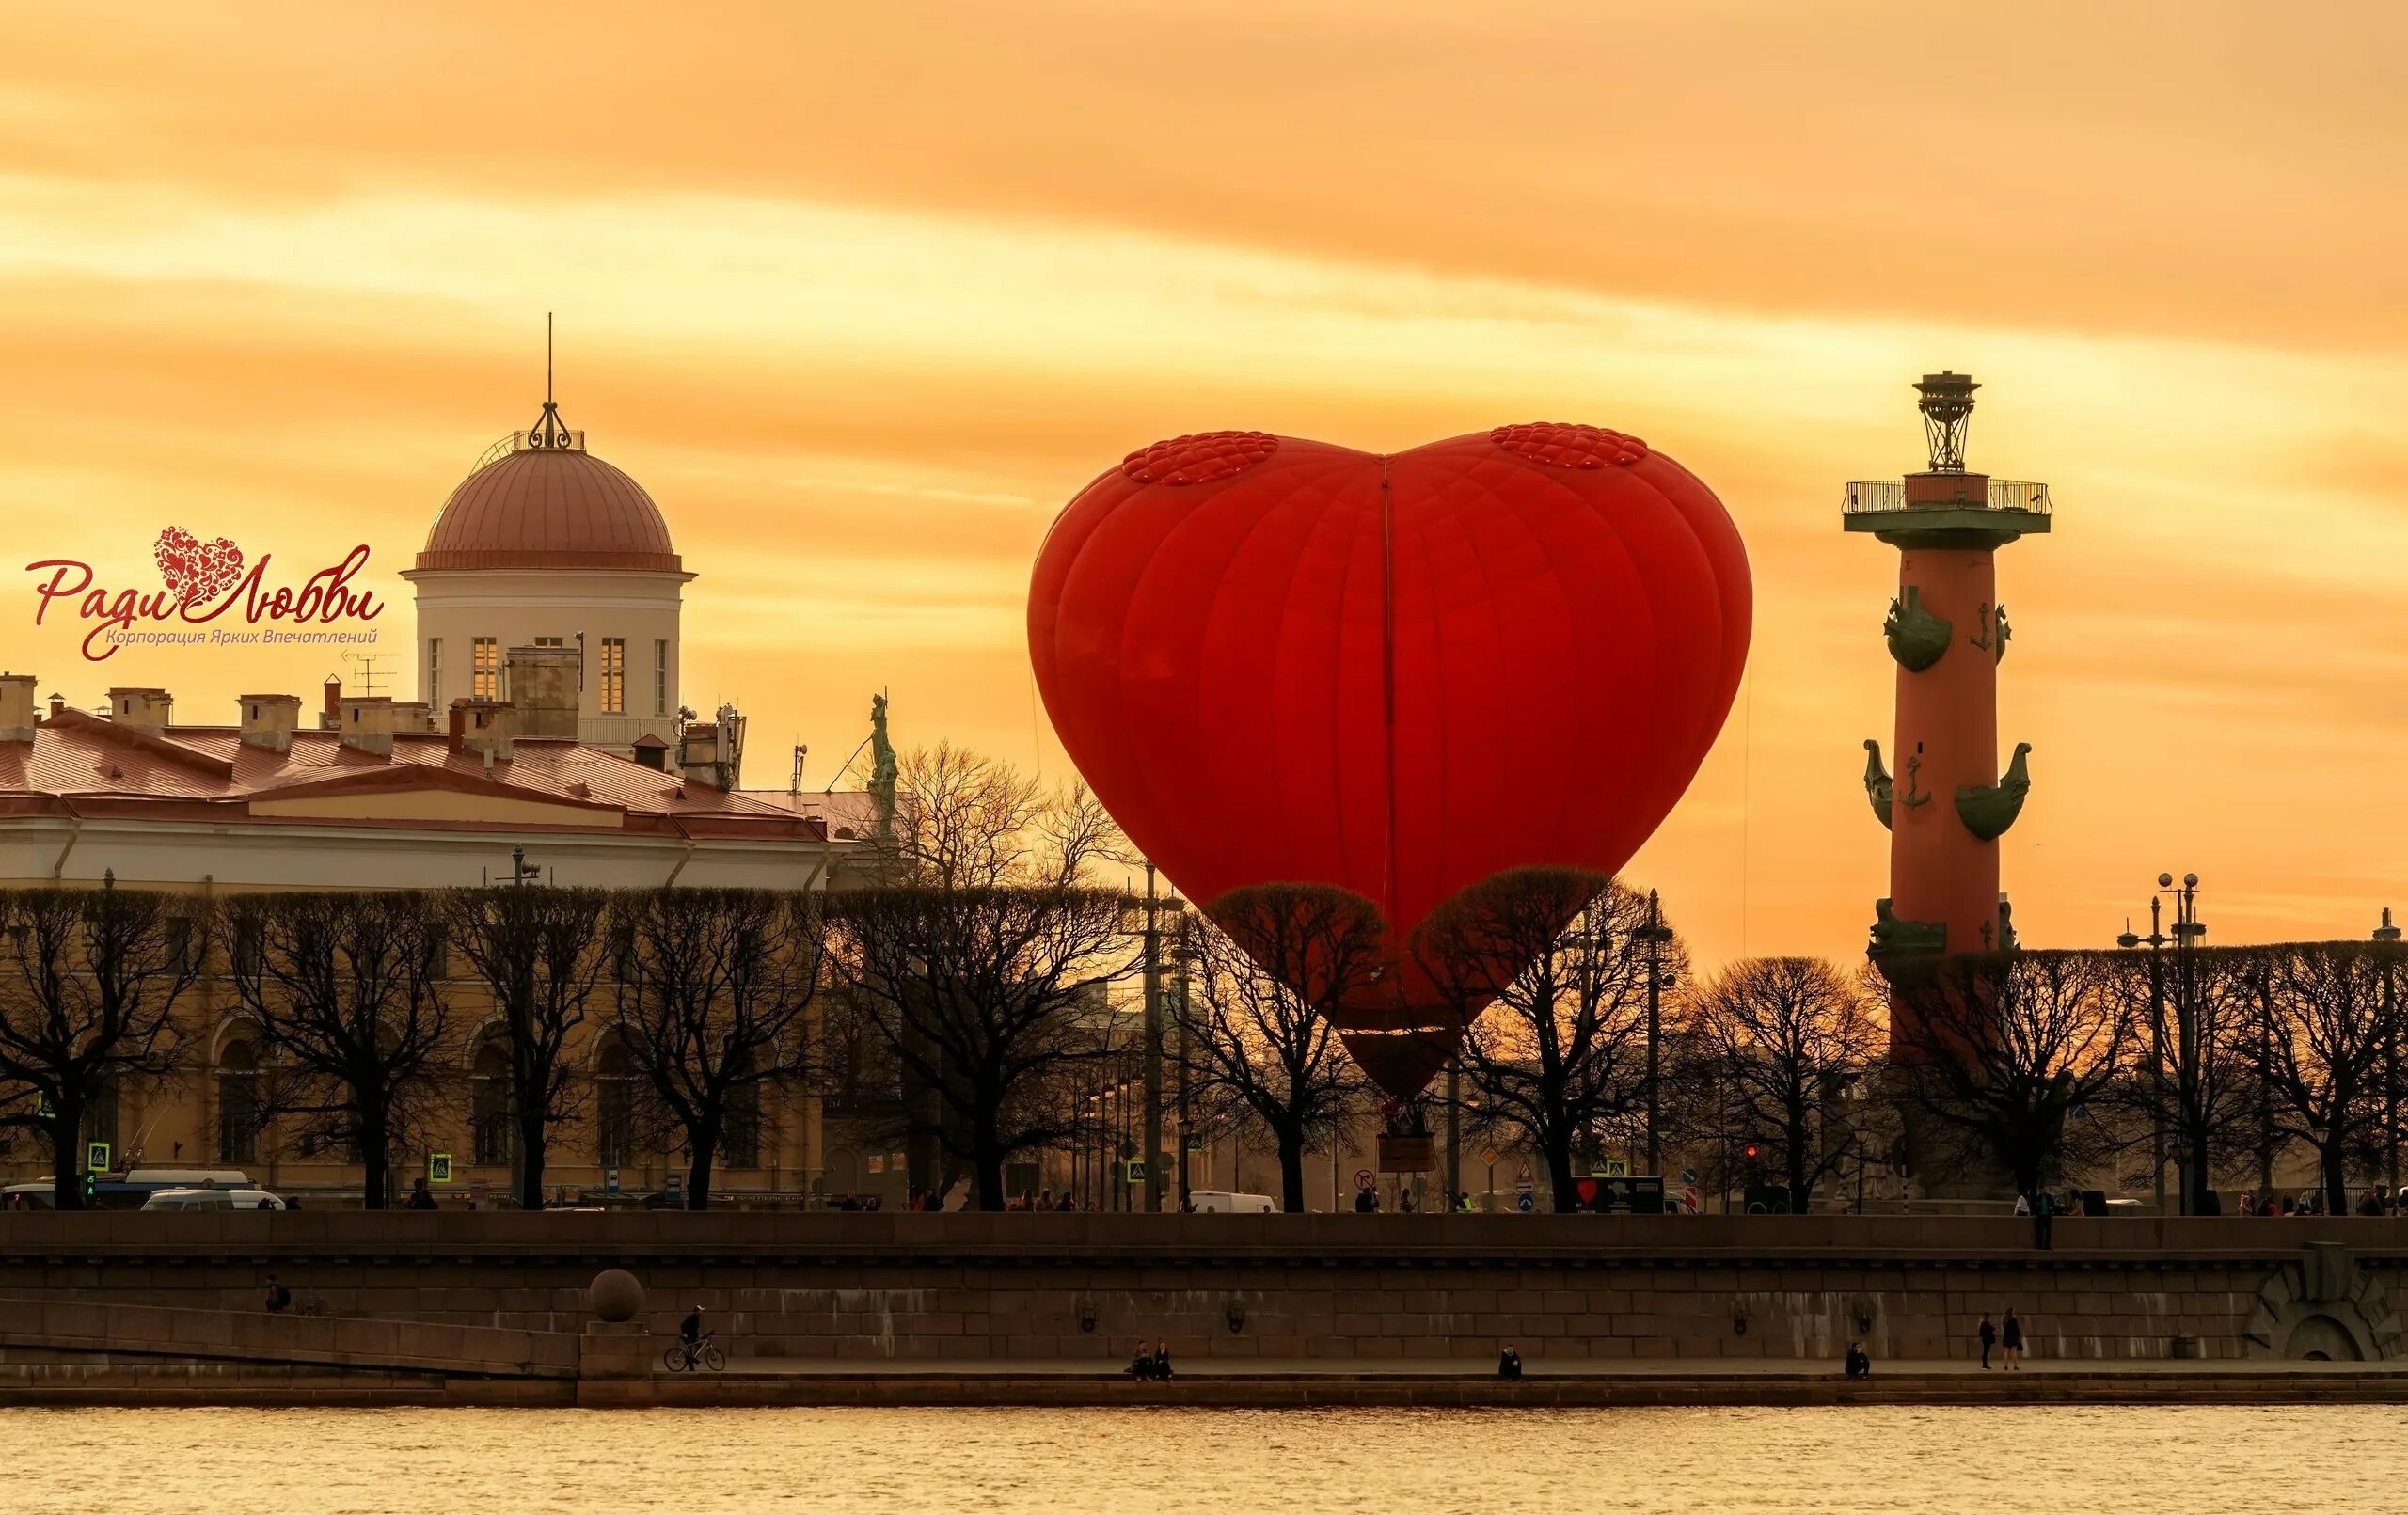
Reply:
x=1279, y=662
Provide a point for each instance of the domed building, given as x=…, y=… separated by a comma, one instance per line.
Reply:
x=549, y=580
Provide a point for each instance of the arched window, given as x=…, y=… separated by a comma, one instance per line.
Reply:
x=493, y=1133
x=614, y=1107
x=238, y=1103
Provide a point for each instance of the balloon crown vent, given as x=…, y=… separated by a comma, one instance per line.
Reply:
x=1199, y=458
x=1565, y=445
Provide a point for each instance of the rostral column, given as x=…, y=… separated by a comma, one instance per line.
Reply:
x=1947, y=803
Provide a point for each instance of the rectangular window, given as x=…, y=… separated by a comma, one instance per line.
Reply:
x=487, y=669
x=550, y=641
x=434, y=672
x=660, y=678
x=614, y=675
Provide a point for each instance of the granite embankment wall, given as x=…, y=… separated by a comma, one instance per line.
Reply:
x=937, y=1289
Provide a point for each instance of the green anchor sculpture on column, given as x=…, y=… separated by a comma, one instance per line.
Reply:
x=1995, y=633
x=1916, y=637
x=1881, y=792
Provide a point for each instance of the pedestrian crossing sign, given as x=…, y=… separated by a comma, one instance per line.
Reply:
x=438, y=1167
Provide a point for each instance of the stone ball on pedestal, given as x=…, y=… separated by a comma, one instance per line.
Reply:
x=616, y=1295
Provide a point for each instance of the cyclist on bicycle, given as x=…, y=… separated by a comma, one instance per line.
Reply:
x=690, y=1329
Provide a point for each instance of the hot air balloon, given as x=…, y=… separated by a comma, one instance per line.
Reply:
x=1281, y=661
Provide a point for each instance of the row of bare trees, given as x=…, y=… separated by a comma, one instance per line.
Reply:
x=363, y=1030
x=972, y=994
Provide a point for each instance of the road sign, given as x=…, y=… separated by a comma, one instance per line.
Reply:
x=1526, y=1204
x=1136, y=1170
x=1365, y=1180
x=1688, y=1175
x=1523, y=1177
x=1489, y=1157
x=96, y=1156
x=674, y=1184
x=609, y=1180
x=438, y=1167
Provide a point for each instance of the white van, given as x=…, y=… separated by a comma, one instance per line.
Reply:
x=1221, y=1202
x=213, y=1199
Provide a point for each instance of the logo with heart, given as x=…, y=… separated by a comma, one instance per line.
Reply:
x=196, y=571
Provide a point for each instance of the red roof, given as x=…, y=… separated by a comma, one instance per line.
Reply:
x=549, y=508
x=81, y=764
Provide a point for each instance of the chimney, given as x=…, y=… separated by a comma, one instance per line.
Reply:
x=270, y=719
x=413, y=717
x=142, y=709
x=368, y=724
x=652, y=752
x=698, y=755
x=16, y=707
x=488, y=727
x=330, y=714
x=542, y=685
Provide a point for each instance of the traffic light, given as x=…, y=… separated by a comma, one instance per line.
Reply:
x=1752, y=1152
x=91, y=1188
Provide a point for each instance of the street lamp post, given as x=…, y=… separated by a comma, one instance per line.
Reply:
x=2388, y=935
x=2188, y=928
x=1655, y=934
x=2156, y=942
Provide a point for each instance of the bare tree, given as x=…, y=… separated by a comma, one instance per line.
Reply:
x=2332, y=1034
x=1275, y=962
x=347, y=991
x=1550, y=966
x=716, y=989
x=2193, y=1055
x=89, y=980
x=986, y=965
x=540, y=952
x=1786, y=1036
x=2005, y=1053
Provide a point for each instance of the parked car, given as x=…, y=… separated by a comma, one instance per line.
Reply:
x=213, y=1199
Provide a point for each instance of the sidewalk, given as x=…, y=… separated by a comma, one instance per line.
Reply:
x=1585, y=1369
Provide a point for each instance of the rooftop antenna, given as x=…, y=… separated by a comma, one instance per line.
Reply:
x=547, y=357
x=371, y=670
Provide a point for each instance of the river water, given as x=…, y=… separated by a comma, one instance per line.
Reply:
x=2118, y=1461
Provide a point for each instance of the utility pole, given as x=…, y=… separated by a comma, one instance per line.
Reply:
x=1182, y=962
x=1454, y=1131
x=1152, y=1152
x=1655, y=936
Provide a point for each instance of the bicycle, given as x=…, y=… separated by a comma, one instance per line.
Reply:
x=704, y=1353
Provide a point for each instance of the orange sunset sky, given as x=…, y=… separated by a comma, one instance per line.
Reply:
x=862, y=292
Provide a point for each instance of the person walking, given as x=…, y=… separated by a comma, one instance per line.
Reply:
x=2011, y=1338
x=2044, y=1215
x=1988, y=1334
x=422, y=1198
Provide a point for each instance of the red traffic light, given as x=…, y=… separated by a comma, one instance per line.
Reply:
x=1752, y=1151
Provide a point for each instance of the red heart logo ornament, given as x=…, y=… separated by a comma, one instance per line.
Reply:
x=196, y=571
x=1280, y=661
